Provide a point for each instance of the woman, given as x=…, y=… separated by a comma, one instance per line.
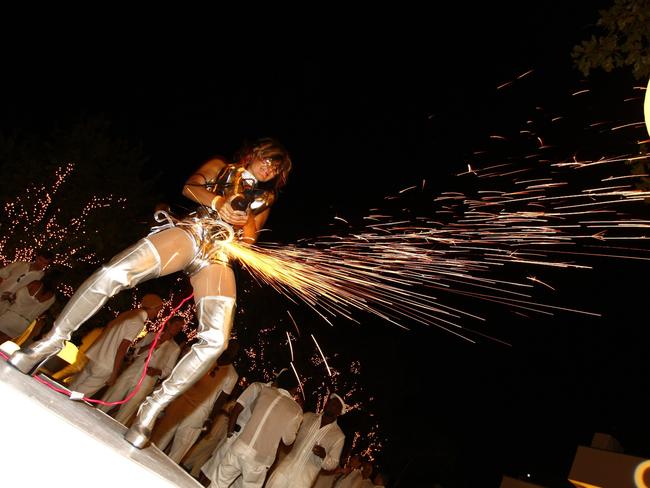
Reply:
x=239, y=194
x=26, y=304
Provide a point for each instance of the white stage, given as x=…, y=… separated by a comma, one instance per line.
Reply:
x=50, y=440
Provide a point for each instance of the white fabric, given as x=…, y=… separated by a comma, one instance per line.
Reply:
x=184, y=438
x=101, y=355
x=91, y=379
x=209, y=469
x=184, y=418
x=209, y=444
x=164, y=358
x=352, y=480
x=274, y=416
x=125, y=326
x=14, y=276
x=301, y=466
x=223, y=380
x=183, y=433
x=22, y=312
x=128, y=409
x=325, y=479
x=240, y=460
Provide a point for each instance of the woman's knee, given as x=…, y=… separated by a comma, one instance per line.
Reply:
x=210, y=348
x=214, y=340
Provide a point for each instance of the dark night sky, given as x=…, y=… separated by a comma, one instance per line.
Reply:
x=366, y=112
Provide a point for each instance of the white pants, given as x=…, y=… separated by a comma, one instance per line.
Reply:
x=210, y=467
x=123, y=388
x=90, y=379
x=184, y=435
x=288, y=476
x=205, y=448
x=240, y=462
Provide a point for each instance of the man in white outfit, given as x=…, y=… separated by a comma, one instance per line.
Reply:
x=209, y=468
x=106, y=355
x=18, y=323
x=318, y=446
x=186, y=417
x=163, y=359
x=18, y=274
x=275, y=416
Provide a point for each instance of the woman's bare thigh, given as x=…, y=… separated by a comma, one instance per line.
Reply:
x=214, y=280
x=175, y=247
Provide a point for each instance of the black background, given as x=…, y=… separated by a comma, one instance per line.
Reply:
x=367, y=106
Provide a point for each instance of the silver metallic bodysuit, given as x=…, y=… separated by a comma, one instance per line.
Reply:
x=206, y=228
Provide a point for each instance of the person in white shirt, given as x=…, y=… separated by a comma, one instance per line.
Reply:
x=107, y=353
x=210, y=443
x=318, y=446
x=209, y=468
x=163, y=359
x=19, y=274
x=275, y=416
x=186, y=417
x=28, y=303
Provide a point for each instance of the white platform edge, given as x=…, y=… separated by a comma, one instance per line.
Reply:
x=49, y=440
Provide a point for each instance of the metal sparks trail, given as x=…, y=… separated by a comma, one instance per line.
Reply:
x=396, y=269
x=529, y=211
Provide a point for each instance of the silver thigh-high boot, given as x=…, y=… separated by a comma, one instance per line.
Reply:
x=215, y=315
x=136, y=264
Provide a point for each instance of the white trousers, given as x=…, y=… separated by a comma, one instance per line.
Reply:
x=207, y=446
x=123, y=388
x=184, y=434
x=90, y=379
x=238, y=462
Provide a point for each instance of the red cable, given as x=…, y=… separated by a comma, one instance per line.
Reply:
x=144, y=371
x=146, y=363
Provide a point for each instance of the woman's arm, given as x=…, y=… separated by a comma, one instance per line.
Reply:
x=234, y=415
x=253, y=225
x=195, y=190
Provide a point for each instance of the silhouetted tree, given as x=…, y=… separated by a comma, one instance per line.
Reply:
x=624, y=42
x=78, y=190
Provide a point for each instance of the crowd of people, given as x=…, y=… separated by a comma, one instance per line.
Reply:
x=222, y=433
x=260, y=436
x=223, y=437
x=26, y=292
